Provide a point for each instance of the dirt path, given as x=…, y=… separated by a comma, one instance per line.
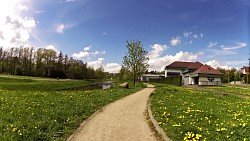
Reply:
x=123, y=120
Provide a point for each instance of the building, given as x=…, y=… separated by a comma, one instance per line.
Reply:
x=194, y=73
x=245, y=73
x=245, y=70
x=146, y=77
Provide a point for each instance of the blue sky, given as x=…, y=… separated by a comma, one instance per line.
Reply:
x=215, y=32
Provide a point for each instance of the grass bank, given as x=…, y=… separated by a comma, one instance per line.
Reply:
x=36, y=110
x=235, y=89
x=189, y=114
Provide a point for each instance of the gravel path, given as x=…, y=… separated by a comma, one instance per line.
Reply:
x=123, y=120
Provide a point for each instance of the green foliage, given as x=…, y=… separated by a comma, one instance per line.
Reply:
x=43, y=63
x=35, y=110
x=168, y=80
x=189, y=114
x=100, y=74
x=135, y=60
x=232, y=75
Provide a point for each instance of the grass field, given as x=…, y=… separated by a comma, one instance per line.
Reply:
x=36, y=110
x=236, y=89
x=189, y=114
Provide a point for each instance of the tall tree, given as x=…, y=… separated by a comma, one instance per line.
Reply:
x=135, y=60
x=100, y=74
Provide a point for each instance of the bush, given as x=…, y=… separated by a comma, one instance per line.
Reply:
x=168, y=80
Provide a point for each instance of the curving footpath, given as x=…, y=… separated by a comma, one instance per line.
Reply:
x=123, y=120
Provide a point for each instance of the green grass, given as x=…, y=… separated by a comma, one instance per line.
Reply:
x=35, y=110
x=17, y=84
x=235, y=89
x=186, y=114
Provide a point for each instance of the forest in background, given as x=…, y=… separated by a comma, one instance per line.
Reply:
x=42, y=62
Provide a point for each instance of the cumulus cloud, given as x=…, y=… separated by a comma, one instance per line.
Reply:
x=60, y=28
x=86, y=54
x=212, y=44
x=15, y=28
x=109, y=67
x=112, y=67
x=87, y=48
x=161, y=62
x=175, y=41
x=96, y=64
x=51, y=47
x=215, y=64
x=157, y=50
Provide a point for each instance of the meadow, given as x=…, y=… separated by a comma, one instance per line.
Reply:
x=236, y=89
x=42, y=110
x=189, y=114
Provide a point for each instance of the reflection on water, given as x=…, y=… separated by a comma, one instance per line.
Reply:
x=107, y=85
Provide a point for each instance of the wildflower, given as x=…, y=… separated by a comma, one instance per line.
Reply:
x=176, y=124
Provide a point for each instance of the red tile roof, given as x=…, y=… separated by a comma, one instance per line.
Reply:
x=191, y=65
x=246, y=68
x=207, y=70
x=195, y=65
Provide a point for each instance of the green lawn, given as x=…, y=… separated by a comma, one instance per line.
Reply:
x=36, y=110
x=236, y=89
x=189, y=114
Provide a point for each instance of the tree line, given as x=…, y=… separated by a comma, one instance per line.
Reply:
x=43, y=62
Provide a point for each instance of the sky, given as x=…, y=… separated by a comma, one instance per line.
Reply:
x=213, y=32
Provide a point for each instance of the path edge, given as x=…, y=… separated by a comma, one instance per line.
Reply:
x=156, y=127
x=78, y=130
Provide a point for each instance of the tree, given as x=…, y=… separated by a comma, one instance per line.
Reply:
x=100, y=74
x=135, y=60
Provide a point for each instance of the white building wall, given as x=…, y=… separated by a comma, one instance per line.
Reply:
x=186, y=80
x=205, y=81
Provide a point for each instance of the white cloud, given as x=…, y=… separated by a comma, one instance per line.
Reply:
x=69, y=0
x=51, y=47
x=233, y=47
x=187, y=34
x=112, y=67
x=157, y=50
x=15, y=28
x=228, y=49
x=39, y=12
x=22, y=7
x=195, y=36
x=201, y=35
x=60, y=28
x=96, y=64
x=175, y=41
x=212, y=44
x=161, y=62
x=215, y=64
x=87, y=48
x=109, y=67
x=85, y=54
